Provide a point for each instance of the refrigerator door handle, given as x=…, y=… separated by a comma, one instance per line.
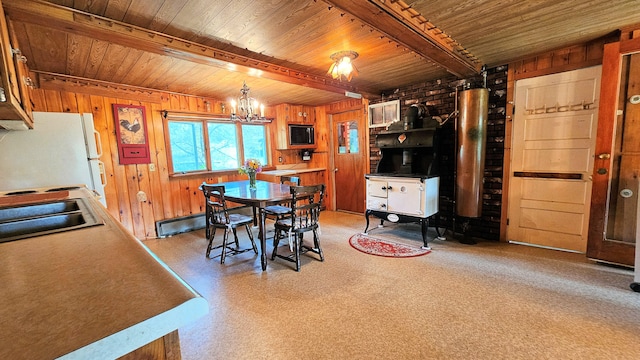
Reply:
x=103, y=176
x=96, y=135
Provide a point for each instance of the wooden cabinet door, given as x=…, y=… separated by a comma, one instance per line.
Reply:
x=309, y=115
x=22, y=74
x=311, y=178
x=280, y=127
x=14, y=105
x=296, y=114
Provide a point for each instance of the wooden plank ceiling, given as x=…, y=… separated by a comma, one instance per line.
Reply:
x=281, y=48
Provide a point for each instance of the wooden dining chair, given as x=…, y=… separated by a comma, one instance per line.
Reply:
x=306, y=203
x=218, y=217
x=283, y=209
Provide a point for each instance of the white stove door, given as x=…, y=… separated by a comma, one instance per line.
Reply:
x=405, y=197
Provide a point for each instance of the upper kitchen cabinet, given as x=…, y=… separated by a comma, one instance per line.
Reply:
x=296, y=114
x=15, y=108
x=288, y=115
x=303, y=114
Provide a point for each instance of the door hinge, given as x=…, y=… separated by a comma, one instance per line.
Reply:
x=507, y=221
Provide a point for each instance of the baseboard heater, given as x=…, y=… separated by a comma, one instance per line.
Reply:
x=188, y=223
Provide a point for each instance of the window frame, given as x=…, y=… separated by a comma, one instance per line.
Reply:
x=205, y=119
x=169, y=148
x=393, y=106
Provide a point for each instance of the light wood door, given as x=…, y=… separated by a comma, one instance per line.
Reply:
x=614, y=226
x=553, y=146
x=349, y=160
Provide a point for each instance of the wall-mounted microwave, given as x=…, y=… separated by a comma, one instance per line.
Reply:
x=301, y=135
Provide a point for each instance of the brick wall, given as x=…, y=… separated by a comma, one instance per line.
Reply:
x=440, y=95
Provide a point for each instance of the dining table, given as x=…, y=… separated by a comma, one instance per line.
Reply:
x=264, y=194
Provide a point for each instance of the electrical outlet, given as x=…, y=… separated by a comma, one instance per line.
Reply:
x=280, y=159
x=152, y=167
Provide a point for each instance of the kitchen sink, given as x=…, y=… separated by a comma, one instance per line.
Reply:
x=37, y=219
x=40, y=209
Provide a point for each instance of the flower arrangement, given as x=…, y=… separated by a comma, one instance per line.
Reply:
x=250, y=168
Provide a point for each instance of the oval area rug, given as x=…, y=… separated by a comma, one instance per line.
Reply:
x=375, y=246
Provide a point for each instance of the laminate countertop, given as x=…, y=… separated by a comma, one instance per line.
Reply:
x=285, y=172
x=91, y=293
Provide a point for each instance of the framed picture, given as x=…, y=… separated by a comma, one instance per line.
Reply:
x=131, y=132
x=383, y=114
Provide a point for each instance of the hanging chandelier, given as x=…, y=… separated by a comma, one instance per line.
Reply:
x=343, y=65
x=247, y=107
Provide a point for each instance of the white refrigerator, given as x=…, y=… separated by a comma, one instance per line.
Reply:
x=62, y=150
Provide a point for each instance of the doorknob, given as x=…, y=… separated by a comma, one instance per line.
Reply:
x=604, y=156
x=335, y=170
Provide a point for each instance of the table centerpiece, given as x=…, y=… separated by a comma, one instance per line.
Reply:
x=251, y=167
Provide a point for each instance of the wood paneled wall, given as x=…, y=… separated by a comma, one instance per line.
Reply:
x=560, y=60
x=139, y=195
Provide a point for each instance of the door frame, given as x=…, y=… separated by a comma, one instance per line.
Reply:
x=597, y=247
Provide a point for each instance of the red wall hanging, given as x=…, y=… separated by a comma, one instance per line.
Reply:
x=131, y=131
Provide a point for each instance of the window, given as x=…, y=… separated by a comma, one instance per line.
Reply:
x=383, y=114
x=254, y=143
x=223, y=145
x=228, y=144
x=187, y=146
x=348, y=137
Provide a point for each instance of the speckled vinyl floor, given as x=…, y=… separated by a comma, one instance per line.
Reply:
x=485, y=301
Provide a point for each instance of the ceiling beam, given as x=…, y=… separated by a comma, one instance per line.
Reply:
x=60, y=82
x=400, y=23
x=97, y=27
